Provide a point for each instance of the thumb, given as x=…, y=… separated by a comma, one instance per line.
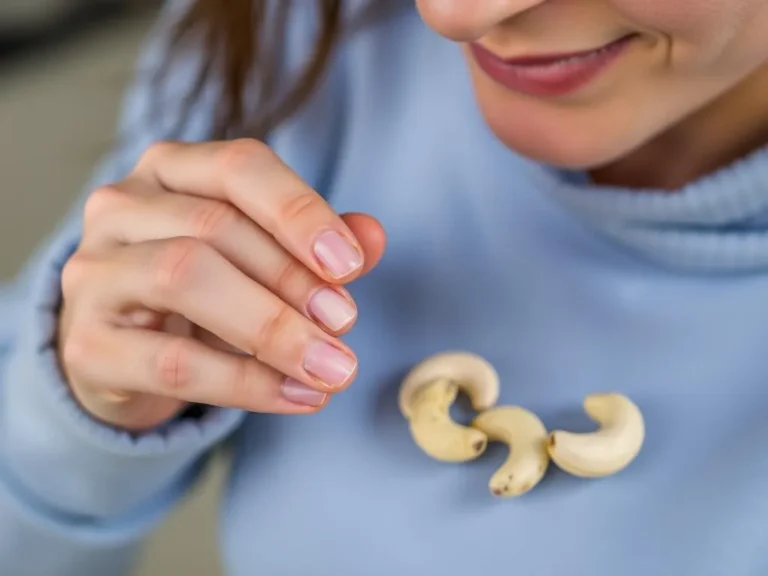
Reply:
x=371, y=236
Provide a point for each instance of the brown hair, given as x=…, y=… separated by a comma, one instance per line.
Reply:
x=243, y=39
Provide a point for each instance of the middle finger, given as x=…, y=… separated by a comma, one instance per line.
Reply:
x=130, y=218
x=188, y=277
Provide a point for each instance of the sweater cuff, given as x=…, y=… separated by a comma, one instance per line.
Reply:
x=63, y=458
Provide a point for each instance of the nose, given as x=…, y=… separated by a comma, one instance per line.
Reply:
x=469, y=20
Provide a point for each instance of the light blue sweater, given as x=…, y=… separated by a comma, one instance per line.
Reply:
x=565, y=288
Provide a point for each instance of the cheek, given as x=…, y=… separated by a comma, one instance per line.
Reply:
x=705, y=37
x=706, y=25
x=668, y=15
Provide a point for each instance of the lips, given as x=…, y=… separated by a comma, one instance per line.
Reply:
x=550, y=75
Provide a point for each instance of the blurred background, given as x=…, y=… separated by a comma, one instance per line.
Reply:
x=64, y=65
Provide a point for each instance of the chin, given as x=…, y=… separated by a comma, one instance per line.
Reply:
x=582, y=135
x=566, y=139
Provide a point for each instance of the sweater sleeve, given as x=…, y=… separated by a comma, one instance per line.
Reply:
x=77, y=498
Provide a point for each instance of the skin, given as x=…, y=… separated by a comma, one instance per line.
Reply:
x=694, y=83
x=143, y=329
x=151, y=322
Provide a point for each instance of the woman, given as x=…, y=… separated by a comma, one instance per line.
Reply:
x=575, y=191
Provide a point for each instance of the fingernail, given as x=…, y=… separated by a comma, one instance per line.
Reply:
x=328, y=364
x=337, y=255
x=332, y=309
x=298, y=393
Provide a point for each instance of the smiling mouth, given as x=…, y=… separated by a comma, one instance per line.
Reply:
x=565, y=58
x=550, y=74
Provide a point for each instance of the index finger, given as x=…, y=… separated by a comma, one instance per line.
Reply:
x=250, y=176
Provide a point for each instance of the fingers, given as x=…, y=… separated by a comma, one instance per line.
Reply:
x=229, y=241
x=117, y=215
x=187, y=277
x=130, y=360
x=249, y=175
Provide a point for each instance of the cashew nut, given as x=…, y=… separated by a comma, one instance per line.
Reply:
x=526, y=437
x=606, y=451
x=425, y=399
x=435, y=432
x=474, y=375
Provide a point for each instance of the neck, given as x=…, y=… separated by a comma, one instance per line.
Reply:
x=724, y=131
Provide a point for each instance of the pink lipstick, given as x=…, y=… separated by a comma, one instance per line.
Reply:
x=550, y=75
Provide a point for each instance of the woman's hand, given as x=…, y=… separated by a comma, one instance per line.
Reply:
x=211, y=275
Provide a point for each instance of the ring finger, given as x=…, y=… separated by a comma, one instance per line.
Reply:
x=120, y=216
x=189, y=278
x=148, y=362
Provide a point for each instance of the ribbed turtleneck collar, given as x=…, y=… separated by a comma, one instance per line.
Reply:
x=718, y=223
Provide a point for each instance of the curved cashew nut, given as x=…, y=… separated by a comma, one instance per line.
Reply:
x=606, y=451
x=425, y=399
x=526, y=437
x=473, y=374
x=433, y=430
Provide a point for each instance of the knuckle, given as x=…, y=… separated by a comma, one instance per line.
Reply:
x=242, y=384
x=154, y=154
x=290, y=275
x=175, y=367
x=77, y=351
x=241, y=154
x=73, y=275
x=297, y=205
x=176, y=264
x=102, y=202
x=210, y=220
x=266, y=340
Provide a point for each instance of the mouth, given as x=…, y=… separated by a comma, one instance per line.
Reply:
x=550, y=75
